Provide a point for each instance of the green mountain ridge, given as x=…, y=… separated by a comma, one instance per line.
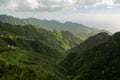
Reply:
x=49, y=25
x=35, y=48
x=31, y=33
x=98, y=62
x=80, y=30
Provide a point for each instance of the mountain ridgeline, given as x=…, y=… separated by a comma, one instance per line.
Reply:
x=50, y=25
x=97, y=58
x=79, y=30
x=38, y=38
x=33, y=49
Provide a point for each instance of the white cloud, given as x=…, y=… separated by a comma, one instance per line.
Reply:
x=96, y=3
x=51, y=5
x=39, y=5
x=117, y=1
x=105, y=2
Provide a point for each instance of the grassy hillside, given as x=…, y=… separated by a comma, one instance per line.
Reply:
x=33, y=53
x=35, y=48
x=100, y=61
x=38, y=40
x=43, y=67
x=13, y=72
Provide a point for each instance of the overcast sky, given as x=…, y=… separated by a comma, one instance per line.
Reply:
x=102, y=14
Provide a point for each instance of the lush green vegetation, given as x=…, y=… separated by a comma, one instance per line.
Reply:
x=44, y=67
x=98, y=62
x=13, y=72
x=37, y=49
x=33, y=53
x=38, y=40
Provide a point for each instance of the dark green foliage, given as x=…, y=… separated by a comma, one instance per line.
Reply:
x=88, y=44
x=33, y=53
x=100, y=62
x=44, y=66
x=38, y=40
x=38, y=49
x=13, y=72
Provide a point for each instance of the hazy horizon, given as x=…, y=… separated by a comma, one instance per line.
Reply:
x=101, y=14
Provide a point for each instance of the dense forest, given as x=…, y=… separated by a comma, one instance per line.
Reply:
x=30, y=51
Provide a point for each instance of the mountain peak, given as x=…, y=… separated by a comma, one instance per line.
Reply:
x=116, y=36
x=100, y=37
x=93, y=41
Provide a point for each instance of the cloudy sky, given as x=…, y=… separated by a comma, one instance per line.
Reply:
x=102, y=14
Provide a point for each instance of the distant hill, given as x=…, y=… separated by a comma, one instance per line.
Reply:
x=95, y=59
x=80, y=30
x=50, y=25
